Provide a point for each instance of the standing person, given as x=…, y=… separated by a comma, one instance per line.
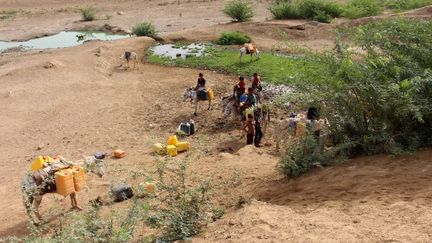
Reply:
x=256, y=86
x=249, y=129
x=251, y=100
x=258, y=123
x=256, y=82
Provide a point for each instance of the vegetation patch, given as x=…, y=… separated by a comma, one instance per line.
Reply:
x=144, y=29
x=233, y=38
x=8, y=14
x=88, y=13
x=402, y=5
x=378, y=100
x=272, y=68
x=362, y=8
x=322, y=11
x=239, y=10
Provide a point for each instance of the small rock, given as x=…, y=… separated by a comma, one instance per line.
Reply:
x=40, y=147
x=120, y=13
x=48, y=65
x=231, y=222
x=356, y=221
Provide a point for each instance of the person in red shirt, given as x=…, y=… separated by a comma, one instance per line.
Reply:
x=256, y=82
x=239, y=88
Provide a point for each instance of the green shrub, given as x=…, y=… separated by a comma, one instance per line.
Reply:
x=144, y=29
x=284, y=10
x=308, y=8
x=362, y=8
x=185, y=208
x=406, y=4
x=239, y=10
x=304, y=154
x=88, y=13
x=378, y=104
x=322, y=11
x=233, y=38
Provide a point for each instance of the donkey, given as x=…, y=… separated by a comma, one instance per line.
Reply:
x=129, y=56
x=34, y=187
x=190, y=93
x=251, y=49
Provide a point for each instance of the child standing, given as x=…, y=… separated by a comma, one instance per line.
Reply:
x=258, y=130
x=249, y=129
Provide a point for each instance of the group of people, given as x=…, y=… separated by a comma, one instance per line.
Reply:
x=246, y=100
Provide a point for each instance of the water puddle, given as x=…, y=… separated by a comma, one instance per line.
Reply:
x=175, y=51
x=62, y=39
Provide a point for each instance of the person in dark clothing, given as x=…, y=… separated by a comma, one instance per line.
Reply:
x=313, y=113
x=258, y=130
x=201, y=82
x=249, y=129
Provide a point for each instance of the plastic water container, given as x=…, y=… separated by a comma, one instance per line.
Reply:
x=150, y=187
x=172, y=140
x=37, y=164
x=64, y=181
x=300, y=129
x=182, y=146
x=79, y=178
x=210, y=94
x=172, y=150
x=119, y=153
x=159, y=148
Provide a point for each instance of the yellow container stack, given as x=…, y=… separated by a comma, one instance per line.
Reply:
x=172, y=140
x=172, y=150
x=182, y=146
x=64, y=181
x=78, y=178
x=39, y=162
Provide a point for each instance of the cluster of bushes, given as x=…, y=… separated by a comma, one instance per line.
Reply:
x=233, y=38
x=322, y=11
x=326, y=10
x=379, y=99
x=362, y=8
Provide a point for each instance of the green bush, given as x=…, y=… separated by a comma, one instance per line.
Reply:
x=233, y=38
x=239, y=10
x=88, y=13
x=406, y=4
x=284, y=10
x=185, y=209
x=362, y=8
x=322, y=11
x=309, y=8
x=378, y=104
x=144, y=29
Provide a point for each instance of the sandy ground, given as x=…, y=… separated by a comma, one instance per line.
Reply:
x=76, y=101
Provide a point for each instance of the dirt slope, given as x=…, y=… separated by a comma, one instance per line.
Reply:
x=370, y=199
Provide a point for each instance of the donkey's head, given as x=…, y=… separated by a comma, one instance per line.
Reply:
x=187, y=94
